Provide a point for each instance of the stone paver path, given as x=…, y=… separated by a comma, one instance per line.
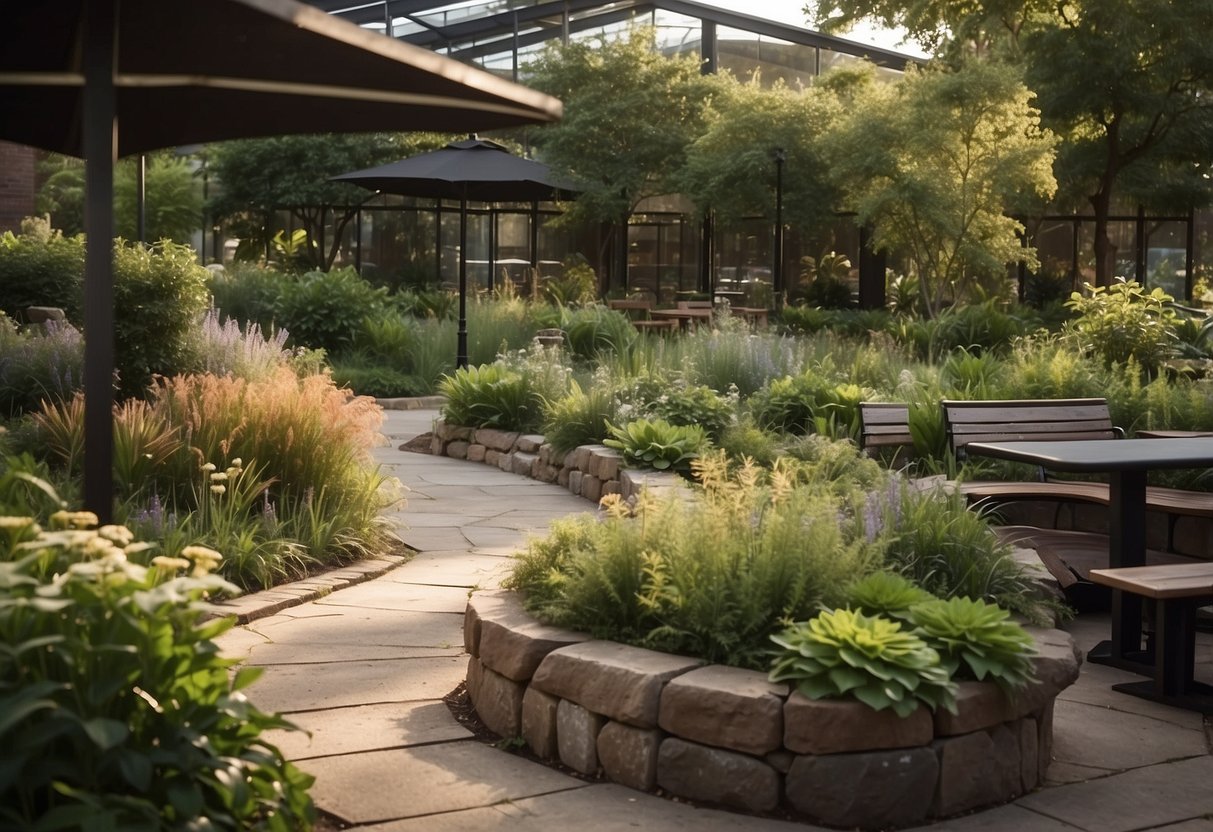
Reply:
x=364, y=669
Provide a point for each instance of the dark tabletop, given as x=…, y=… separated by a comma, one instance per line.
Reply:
x=1092, y=455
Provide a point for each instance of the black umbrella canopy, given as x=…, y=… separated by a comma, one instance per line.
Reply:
x=470, y=169
x=189, y=71
x=103, y=78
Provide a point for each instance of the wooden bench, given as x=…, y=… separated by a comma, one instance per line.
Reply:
x=1177, y=590
x=885, y=427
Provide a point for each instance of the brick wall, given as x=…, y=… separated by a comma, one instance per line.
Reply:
x=16, y=184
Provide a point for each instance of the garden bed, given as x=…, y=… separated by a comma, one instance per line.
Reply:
x=651, y=720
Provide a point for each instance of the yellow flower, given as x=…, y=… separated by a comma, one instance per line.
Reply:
x=170, y=564
x=208, y=467
x=116, y=534
x=237, y=463
x=218, y=489
x=218, y=476
x=204, y=558
x=73, y=519
x=15, y=522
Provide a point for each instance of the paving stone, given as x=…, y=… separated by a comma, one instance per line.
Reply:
x=367, y=728
x=1008, y=818
x=700, y=772
x=726, y=707
x=601, y=807
x=414, y=782
x=1118, y=740
x=629, y=755
x=391, y=595
x=882, y=788
x=577, y=736
x=349, y=633
x=336, y=684
x=831, y=726
x=1145, y=797
x=621, y=682
x=539, y=723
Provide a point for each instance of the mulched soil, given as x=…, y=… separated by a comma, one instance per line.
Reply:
x=418, y=444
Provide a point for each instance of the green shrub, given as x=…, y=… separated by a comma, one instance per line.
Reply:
x=745, y=440
x=847, y=654
x=579, y=417
x=790, y=404
x=713, y=577
x=1124, y=321
x=655, y=443
x=325, y=310
x=975, y=640
x=376, y=380
x=247, y=293
x=43, y=363
x=41, y=267
x=684, y=404
x=386, y=337
x=159, y=295
x=119, y=712
x=592, y=331
x=491, y=396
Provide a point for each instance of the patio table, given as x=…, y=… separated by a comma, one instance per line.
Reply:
x=1126, y=461
x=685, y=317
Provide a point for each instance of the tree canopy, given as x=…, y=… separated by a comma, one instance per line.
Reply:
x=956, y=150
x=259, y=176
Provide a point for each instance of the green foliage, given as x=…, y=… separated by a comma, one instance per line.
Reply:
x=491, y=396
x=41, y=267
x=790, y=404
x=594, y=331
x=43, y=363
x=325, y=310
x=159, y=295
x=1124, y=322
x=712, y=577
x=579, y=417
x=683, y=404
x=655, y=443
x=936, y=541
x=120, y=712
x=241, y=351
x=261, y=176
x=824, y=281
x=745, y=440
x=368, y=378
x=631, y=112
x=173, y=203
x=885, y=594
x=976, y=640
x=845, y=653
x=576, y=284
x=959, y=150
x=247, y=293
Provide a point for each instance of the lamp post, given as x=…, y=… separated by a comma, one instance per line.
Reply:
x=777, y=271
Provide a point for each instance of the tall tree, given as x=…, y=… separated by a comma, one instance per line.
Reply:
x=260, y=176
x=630, y=113
x=935, y=163
x=1129, y=85
x=730, y=168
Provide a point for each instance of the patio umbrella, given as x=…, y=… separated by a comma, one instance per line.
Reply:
x=102, y=78
x=470, y=169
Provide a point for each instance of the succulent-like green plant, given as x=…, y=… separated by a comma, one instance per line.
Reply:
x=887, y=594
x=976, y=640
x=655, y=443
x=846, y=653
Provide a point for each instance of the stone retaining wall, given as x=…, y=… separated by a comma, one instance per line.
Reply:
x=729, y=736
x=590, y=471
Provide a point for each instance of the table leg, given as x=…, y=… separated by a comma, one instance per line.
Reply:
x=1126, y=547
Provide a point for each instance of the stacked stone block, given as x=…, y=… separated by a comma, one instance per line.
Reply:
x=729, y=736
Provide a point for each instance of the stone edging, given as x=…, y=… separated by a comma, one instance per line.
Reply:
x=589, y=471
x=729, y=736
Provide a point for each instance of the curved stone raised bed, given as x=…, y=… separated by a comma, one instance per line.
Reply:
x=728, y=736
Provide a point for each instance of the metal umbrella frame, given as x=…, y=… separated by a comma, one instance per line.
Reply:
x=469, y=169
x=103, y=78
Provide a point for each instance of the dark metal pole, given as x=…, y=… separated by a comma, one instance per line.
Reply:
x=141, y=196
x=461, y=354
x=100, y=152
x=777, y=273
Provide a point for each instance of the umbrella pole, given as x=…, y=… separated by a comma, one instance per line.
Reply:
x=461, y=357
x=100, y=151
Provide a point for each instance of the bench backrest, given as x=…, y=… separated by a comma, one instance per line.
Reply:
x=884, y=425
x=1036, y=420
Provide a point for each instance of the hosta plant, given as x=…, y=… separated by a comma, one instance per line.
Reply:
x=491, y=396
x=976, y=640
x=655, y=443
x=887, y=594
x=848, y=654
